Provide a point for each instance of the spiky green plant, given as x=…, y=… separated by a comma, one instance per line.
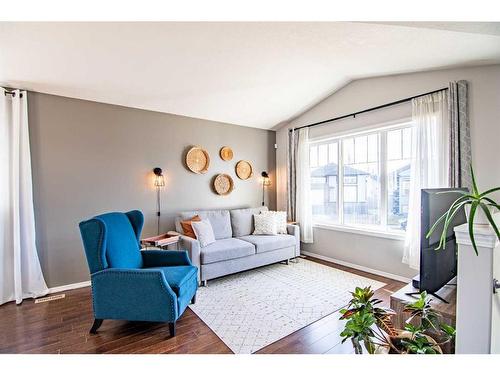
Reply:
x=476, y=200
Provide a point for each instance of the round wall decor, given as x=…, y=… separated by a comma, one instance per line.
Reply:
x=197, y=160
x=226, y=153
x=223, y=184
x=244, y=170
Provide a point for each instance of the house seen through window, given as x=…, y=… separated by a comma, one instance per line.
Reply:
x=362, y=179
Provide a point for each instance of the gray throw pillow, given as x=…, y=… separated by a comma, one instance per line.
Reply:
x=204, y=232
x=265, y=224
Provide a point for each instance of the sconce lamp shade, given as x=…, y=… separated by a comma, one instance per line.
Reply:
x=266, y=181
x=159, y=179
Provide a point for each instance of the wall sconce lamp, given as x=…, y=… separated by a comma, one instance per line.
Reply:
x=266, y=181
x=159, y=183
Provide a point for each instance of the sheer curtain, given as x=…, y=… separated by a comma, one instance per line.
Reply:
x=429, y=165
x=20, y=271
x=299, y=185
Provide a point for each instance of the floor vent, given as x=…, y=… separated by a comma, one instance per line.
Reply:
x=50, y=298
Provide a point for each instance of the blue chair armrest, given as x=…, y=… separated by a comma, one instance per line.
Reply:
x=165, y=258
x=133, y=294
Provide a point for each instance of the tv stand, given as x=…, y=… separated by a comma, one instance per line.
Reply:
x=413, y=294
x=415, y=283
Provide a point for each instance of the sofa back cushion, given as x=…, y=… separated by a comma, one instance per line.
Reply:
x=219, y=219
x=242, y=220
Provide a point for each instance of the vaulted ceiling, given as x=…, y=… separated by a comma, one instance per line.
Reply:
x=250, y=74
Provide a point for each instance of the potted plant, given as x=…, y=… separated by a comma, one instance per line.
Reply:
x=371, y=327
x=475, y=203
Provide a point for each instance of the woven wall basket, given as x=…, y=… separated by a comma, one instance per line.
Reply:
x=226, y=153
x=223, y=184
x=244, y=170
x=197, y=160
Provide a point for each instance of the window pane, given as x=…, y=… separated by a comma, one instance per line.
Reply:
x=360, y=149
x=407, y=143
x=398, y=184
x=323, y=155
x=333, y=154
x=324, y=184
x=348, y=145
x=313, y=156
x=394, y=144
x=362, y=182
x=372, y=147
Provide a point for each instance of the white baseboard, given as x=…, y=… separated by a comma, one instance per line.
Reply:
x=358, y=267
x=62, y=288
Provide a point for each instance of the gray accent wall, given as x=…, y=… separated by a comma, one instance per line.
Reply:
x=89, y=158
x=380, y=253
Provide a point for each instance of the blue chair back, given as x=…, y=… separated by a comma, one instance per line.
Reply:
x=111, y=240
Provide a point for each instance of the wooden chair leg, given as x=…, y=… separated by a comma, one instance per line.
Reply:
x=171, y=328
x=193, y=300
x=96, y=325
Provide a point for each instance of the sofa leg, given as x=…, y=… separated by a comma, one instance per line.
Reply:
x=171, y=328
x=96, y=325
x=288, y=262
x=204, y=283
x=193, y=300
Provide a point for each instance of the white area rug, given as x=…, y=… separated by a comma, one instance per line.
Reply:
x=253, y=309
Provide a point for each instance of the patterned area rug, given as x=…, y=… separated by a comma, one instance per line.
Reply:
x=253, y=309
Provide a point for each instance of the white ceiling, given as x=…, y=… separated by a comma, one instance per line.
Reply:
x=251, y=74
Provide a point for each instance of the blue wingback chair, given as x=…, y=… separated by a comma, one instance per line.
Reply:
x=130, y=284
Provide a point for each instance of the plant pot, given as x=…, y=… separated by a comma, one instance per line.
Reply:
x=405, y=335
x=479, y=217
x=408, y=335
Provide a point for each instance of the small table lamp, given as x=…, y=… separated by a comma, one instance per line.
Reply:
x=266, y=181
x=159, y=183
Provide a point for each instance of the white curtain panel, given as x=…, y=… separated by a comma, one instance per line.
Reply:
x=429, y=165
x=20, y=272
x=303, y=209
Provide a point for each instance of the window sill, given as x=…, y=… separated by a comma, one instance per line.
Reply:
x=392, y=235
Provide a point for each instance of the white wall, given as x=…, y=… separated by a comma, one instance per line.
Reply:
x=379, y=253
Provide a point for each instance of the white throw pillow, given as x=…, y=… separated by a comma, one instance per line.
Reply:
x=280, y=217
x=204, y=232
x=265, y=224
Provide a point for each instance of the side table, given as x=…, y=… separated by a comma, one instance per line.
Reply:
x=162, y=241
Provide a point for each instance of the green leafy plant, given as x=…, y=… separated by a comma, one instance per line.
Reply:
x=476, y=200
x=370, y=326
x=429, y=325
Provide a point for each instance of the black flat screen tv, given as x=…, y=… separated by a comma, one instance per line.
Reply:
x=437, y=267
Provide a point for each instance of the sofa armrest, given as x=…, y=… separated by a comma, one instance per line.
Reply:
x=163, y=258
x=133, y=294
x=193, y=248
x=294, y=230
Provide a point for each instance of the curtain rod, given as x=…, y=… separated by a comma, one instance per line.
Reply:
x=13, y=93
x=368, y=110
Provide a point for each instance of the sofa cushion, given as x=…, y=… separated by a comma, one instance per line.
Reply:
x=204, y=232
x=264, y=243
x=219, y=219
x=187, y=228
x=225, y=249
x=178, y=276
x=242, y=220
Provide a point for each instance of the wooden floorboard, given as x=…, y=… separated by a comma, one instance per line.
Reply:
x=61, y=326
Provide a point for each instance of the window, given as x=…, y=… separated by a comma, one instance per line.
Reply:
x=373, y=169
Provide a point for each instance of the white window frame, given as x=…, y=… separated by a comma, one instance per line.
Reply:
x=377, y=230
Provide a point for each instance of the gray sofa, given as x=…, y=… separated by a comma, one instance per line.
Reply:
x=236, y=248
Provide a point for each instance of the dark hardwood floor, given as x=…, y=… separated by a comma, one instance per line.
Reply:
x=62, y=326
